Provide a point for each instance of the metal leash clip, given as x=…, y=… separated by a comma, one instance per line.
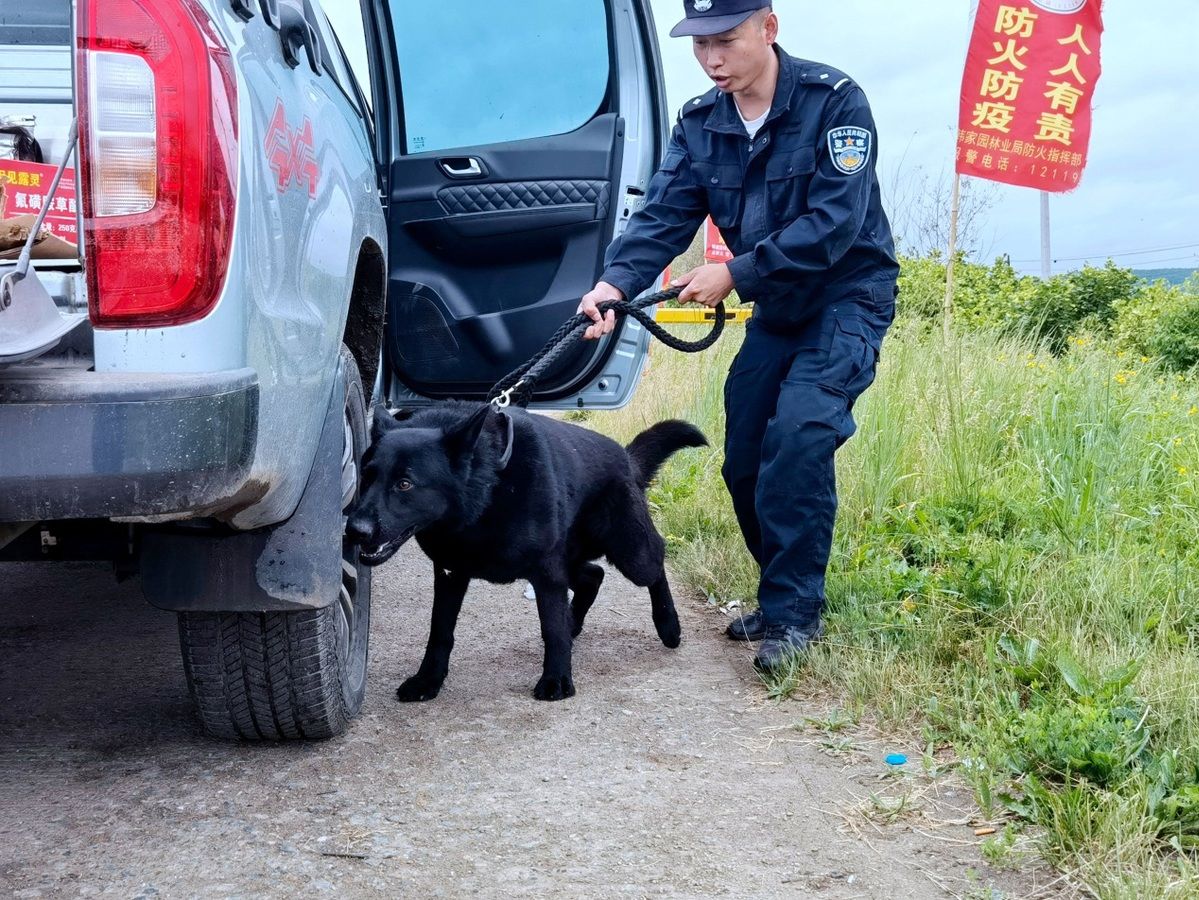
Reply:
x=504, y=399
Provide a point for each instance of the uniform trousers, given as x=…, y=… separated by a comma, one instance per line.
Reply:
x=789, y=400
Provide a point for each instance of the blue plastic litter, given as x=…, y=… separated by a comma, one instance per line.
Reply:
x=895, y=759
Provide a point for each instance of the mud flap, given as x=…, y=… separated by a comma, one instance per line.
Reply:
x=294, y=565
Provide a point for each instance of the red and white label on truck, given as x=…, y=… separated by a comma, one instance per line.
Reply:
x=26, y=185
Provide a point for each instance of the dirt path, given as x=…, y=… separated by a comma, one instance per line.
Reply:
x=668, y=775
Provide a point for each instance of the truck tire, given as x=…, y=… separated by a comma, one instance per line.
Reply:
x=287, y=675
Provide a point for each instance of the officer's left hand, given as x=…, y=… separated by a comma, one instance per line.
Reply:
x=705, y=284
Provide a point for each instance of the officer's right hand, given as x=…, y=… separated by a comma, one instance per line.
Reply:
x=589, y=306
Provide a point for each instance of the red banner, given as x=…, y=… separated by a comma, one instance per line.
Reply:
x=1031, y=70
x=715, y=250
x=26, y=184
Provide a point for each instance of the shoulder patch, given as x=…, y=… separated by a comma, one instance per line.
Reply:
x=849, y=148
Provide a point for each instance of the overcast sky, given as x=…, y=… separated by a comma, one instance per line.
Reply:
x=1141, y=187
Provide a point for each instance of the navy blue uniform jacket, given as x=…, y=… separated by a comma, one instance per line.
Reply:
x=799, y=206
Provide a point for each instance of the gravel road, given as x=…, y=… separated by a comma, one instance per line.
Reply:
x=669, y=775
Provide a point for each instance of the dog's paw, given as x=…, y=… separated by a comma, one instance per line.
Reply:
x=554, y=687
x=669, y=630
x=417, y=689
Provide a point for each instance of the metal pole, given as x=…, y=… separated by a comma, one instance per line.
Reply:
x=947, y=312
x=1046, y=254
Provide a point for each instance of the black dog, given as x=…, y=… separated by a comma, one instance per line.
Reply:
x=507, y=496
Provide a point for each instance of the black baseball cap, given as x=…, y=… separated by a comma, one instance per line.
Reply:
x=706, y=17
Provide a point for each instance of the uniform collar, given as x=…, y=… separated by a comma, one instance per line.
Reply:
x=724, y=117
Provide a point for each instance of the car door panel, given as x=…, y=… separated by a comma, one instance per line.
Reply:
x=497, y=259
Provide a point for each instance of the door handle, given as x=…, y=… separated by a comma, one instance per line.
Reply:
x=462, y=167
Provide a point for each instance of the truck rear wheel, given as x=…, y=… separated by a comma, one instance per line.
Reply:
x=280, y=675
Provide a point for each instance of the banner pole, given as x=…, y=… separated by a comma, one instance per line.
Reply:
x=947, y=311
x=1046, y=254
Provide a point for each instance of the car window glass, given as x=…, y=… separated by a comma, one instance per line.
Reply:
x=335, y=65
x=480, y=72
x=345, y=16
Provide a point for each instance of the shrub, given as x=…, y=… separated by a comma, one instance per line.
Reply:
x=1065, y=305
x=1137, y=316
x=1175, y=340
x=921, y=287
x=1161, y=320
x=996, y=295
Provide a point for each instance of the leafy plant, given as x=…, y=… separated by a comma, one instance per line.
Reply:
x=1175, y=340
x=1161, y=320
x=1098, y=734
x=1174, y=799
x=1023, y=659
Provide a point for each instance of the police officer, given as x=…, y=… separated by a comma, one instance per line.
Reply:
x=781, y=153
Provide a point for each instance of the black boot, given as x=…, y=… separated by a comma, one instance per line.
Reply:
x=784, y=641
x=749, y=627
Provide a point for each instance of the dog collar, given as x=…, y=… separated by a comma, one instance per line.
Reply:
x=511, y=435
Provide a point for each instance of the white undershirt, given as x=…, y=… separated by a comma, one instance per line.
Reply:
x=753, y=126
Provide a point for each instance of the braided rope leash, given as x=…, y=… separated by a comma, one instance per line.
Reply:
x=517, y=386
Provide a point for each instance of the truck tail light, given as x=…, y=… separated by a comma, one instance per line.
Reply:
x=157, y=106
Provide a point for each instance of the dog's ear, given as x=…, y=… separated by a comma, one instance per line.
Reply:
x=381, y=422
x=461, y=439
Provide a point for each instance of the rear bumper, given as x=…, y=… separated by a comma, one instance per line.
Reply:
x=98, y=445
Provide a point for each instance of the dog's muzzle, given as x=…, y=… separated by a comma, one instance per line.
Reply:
x=374, y=556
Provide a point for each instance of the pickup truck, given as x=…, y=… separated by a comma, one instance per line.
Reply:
x=277, y=213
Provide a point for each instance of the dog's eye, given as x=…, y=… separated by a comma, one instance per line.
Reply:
x=404, y=484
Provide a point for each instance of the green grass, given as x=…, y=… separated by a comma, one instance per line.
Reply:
x=1016, y=565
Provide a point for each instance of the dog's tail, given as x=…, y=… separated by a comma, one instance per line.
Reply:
x=654, y=446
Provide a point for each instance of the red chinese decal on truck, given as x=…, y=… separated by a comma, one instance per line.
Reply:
x=291, y=154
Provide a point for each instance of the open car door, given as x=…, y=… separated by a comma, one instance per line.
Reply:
x=516, y=139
